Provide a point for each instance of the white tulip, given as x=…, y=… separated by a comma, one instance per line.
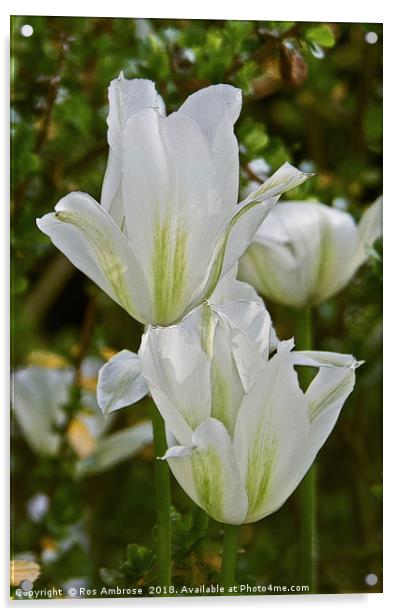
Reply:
x=242, y=434
x=305, y=252
x=39, y=395
x=168, y=226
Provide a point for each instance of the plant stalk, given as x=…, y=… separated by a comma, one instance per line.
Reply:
x=228, y=571
x=163, y=500
x=200, y=522
x=307, y=491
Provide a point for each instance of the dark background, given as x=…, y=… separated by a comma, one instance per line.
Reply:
x=313, y=96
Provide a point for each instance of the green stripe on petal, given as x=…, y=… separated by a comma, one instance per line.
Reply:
x=221, y=398
x=216, y=476
x=168, y=267
x=114, y=269
x=208, y=479
x=271, y=436
x=92, y=241
x=261, y=461
x=336, y=391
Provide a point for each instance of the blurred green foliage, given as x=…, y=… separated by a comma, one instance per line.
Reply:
x=312, y=96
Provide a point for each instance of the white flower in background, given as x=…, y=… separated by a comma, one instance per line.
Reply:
x=242, y=434
x=37, y=506
x=168, y=226
x=39, y=395
x=305, y=252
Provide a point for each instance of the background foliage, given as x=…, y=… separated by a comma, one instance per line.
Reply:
x=312, y=96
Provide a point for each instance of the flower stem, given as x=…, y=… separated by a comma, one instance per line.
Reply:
x=227, y=574
x=307, y=491
x=200, y=521
x=163, y=502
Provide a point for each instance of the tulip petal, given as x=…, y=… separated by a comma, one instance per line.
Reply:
x=210, y=105
x=370, y=229
x=301, y=253
x=326, y=396
x=271, y=436
x=227, y=388
x=229, y=289
x=272, y=269
x=216, y=109
x=120, y=382
x=337, y=246
x=115, y=448
x=249, y=329
x=177, y=372
x=90, y=239
x=111, y=192
x=38, y=395
x=327, y=359
x=178, y=451
x=173, y=209
x=213, y=481
x=126, y=97
x=247, y=217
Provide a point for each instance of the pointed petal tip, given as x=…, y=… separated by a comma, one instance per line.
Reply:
x=177, y=451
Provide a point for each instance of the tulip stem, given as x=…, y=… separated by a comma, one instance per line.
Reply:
x=228, y=571
x=163, y=501
x=307, y=491
x=200, y=521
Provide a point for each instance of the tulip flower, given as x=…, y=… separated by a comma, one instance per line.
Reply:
x=306, y=252
x=168, y=226
x=39, y=395
x=242, y=433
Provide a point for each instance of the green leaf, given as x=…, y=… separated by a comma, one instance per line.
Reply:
x=253, y=136
x=321, y=35
x=138, y=562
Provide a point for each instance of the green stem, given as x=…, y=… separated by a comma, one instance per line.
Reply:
x=307, y=491
x=227, y=574
x=163, y=502
x=200, y=521
x=308, y=504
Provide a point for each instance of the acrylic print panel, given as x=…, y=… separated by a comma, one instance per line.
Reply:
x=222, y=198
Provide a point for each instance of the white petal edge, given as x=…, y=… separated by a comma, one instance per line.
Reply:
x=120, y=382
x=370, y=229
x=250, y=213
x=92, y=241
